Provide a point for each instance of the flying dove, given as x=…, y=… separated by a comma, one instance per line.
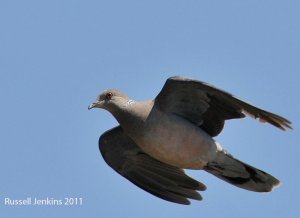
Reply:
x=157, y=139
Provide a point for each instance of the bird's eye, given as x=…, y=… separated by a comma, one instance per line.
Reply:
x=109, y=95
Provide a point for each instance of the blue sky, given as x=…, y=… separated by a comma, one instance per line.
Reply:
x=56, y=56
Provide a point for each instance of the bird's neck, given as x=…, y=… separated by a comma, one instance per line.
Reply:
x=132, y=115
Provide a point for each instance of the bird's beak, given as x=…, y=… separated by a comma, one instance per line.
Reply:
x=96, y=104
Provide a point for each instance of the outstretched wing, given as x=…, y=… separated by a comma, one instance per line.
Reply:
x=160, y=179
x=209, y=107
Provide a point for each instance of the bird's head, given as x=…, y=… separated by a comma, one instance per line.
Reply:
x=109, y=99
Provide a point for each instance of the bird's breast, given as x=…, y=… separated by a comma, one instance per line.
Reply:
x=176, y=141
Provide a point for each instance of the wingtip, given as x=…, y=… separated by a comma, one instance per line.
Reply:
x=276, y=185
x=187, y=202
x=285, y=126
x=273, y=119
x=201, y=187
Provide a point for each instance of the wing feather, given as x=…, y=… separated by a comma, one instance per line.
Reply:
x=162, y=180
x=209, y=107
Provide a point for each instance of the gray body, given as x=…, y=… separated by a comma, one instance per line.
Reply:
x=159, y=138
x=177, y=141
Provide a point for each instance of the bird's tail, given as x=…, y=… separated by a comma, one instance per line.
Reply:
x=242, y=175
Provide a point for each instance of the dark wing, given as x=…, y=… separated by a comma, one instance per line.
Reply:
x=160, y=179
x=209, y=107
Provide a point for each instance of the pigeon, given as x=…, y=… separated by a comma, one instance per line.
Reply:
x=157, y=139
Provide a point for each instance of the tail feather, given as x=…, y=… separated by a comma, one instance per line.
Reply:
x=242, y=175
